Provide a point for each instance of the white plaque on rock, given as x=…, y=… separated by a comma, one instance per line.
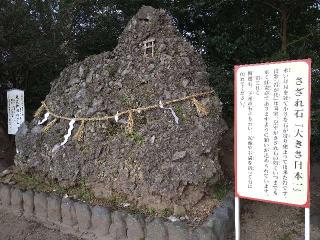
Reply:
x=16, y=110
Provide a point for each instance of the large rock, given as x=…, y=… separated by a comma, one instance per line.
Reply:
x=161, y=163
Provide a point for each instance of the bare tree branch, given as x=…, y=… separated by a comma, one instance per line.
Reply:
x=300, y=39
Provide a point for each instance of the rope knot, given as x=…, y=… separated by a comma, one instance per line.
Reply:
x=80, y=133
x=129, y=127
x=201, y=109
x=40, y=110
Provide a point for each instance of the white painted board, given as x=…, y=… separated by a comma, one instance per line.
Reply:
x=272, y=132
x=16, y=110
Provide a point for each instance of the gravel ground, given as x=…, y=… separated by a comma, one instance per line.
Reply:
x=277, y=222
x=18, y=228
x=273, y=222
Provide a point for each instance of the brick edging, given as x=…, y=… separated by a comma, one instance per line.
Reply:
x=100, y=223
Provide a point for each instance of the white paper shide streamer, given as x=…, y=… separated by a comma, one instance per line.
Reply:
x=176, y=119
x=46, y=116
x=116, y=117
x=67, y=136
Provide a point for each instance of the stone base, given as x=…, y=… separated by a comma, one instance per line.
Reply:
x=100, y=223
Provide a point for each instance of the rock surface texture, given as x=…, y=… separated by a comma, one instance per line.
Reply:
x=161, y=163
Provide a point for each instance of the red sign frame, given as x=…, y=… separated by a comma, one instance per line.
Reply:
x=236, y=68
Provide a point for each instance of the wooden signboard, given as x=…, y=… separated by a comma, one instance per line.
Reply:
x=16, y=110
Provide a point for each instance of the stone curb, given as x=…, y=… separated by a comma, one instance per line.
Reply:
x=100, y=223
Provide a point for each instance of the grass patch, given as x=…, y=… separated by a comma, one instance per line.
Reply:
x=151, y=212
x=114, y=200
x=285, y=236
x=167, y=212
x=220, y=190
x=124, y=99
x=179, y=113
x=137, y=137
x=37, y=183
x=81, y=192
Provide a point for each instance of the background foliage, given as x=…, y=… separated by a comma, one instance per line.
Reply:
x=39, y=38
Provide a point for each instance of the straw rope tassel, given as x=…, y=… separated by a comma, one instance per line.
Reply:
x=39, y=110
x=201, y=109
x=80, y=133
x=129, y=127
x=49, y=125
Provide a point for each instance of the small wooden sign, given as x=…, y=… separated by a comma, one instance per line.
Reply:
x=16, y=110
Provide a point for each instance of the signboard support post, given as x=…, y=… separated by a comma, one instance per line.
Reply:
x=307, y=224
x=237, y=218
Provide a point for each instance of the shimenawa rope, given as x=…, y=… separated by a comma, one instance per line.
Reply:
x=129, y=128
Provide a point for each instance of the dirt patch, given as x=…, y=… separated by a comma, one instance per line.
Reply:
x=18, y=228
x=276, y=222
x=266, y=221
